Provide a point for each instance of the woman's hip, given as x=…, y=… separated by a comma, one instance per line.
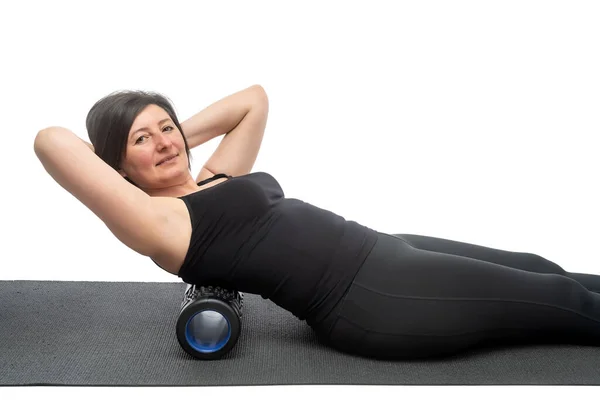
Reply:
x=380, y=265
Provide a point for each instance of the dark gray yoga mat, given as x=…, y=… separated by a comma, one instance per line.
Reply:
x=123, y=334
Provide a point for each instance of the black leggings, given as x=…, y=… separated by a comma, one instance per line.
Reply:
x=418, y=296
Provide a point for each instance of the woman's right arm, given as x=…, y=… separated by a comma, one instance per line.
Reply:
x=91, y=146
x=130, y=214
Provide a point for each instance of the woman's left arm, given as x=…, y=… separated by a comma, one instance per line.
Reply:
x=222, y=116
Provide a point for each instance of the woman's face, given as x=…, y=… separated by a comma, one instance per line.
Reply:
x=152, y=138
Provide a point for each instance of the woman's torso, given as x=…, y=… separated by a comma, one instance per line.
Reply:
x=246, y=235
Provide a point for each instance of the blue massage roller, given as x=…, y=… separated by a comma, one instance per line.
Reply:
x=209, y=322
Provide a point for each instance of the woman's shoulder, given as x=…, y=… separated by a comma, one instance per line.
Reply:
x=175, y=230
x=175, y=227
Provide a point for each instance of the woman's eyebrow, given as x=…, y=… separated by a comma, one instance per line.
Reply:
x=145, y=128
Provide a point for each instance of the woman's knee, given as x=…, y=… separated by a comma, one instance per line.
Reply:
x=542, y=265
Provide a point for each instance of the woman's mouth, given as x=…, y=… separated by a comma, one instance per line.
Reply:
x=168, y=160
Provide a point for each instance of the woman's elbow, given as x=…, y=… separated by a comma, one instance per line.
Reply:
x=45, y=138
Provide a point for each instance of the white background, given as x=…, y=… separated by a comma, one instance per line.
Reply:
x=474, y=121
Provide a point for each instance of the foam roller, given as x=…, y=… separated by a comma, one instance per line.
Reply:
x=209, y=322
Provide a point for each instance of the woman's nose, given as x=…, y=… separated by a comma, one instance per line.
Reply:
x=162, y=140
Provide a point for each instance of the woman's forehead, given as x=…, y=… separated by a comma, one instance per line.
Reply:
x=150, y=116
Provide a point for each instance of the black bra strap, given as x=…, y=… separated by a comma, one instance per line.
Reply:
x=213, y=178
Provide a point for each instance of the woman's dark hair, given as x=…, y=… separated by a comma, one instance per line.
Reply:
x=109, y=121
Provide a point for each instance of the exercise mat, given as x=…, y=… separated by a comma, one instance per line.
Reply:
x=123, y=334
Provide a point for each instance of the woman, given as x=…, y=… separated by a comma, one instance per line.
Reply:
x=362, y=291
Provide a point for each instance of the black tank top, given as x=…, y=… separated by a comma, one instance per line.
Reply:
x=247, y=236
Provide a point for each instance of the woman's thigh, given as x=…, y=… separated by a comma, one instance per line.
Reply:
x=514, y=259
x=409, y=302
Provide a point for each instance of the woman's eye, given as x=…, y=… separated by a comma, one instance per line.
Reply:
x=141, y=137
